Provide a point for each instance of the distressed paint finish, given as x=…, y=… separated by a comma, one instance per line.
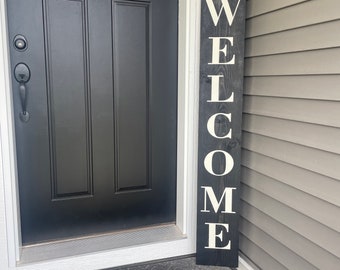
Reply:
x=220, y=113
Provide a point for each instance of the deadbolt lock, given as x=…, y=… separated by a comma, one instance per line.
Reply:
x=20, y=42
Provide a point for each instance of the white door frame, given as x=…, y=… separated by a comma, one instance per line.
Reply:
x=188, y=72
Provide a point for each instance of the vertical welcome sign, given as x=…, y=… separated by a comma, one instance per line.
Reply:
x=220, y=114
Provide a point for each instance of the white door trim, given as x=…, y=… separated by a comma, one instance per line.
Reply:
x=188, y=72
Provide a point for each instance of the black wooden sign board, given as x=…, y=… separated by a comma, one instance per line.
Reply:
x=220, y=114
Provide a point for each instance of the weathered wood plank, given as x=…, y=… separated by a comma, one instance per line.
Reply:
x=220, y=116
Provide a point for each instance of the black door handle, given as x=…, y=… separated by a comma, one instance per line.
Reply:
x=22, y=75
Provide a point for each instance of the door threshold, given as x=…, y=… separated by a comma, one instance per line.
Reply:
x=84, y=245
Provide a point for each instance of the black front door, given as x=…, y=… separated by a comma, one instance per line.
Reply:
x=94, y=91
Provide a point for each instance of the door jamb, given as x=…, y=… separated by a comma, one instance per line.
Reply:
x=188, y=73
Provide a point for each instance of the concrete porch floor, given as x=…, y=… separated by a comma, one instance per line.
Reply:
x=175, y=264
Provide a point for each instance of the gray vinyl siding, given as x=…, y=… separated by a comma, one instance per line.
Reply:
x=290, y=190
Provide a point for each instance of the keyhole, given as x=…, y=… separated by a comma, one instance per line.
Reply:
x=22, y=73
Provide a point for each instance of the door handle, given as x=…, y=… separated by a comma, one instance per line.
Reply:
x=22, y=74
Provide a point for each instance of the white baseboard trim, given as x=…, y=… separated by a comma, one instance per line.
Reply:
x=245, y=263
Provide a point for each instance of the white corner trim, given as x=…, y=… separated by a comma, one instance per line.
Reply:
x=244, y=265
x=9, y=221
x=189, y=17
x=188, y=72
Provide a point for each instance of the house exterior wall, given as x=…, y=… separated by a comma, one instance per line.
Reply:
x=290, y=204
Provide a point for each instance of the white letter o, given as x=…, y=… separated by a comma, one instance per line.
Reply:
x=229, y=162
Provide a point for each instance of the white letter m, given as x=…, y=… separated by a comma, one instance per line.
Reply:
x=228, y=200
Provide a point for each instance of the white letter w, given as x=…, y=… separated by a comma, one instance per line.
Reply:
x=225, y=7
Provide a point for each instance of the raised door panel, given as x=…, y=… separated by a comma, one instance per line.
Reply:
x=68, y=97
x=132, y=87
